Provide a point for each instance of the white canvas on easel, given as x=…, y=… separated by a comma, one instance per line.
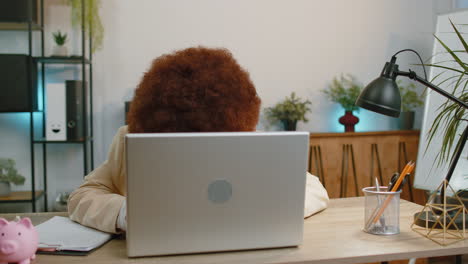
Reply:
x=56, y=128
x=428, y=175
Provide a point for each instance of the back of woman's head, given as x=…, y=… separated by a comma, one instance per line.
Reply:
x=194, y=90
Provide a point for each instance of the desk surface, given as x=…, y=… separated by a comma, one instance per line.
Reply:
x=332, y=236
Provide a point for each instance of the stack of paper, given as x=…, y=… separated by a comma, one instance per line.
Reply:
x=62, y=234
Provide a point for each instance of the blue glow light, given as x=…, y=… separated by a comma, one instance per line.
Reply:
x=336, y=126
x=364, y=123
x=40, y=96
x=21, y=118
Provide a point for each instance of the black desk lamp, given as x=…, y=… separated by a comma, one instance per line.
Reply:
x=383, y=96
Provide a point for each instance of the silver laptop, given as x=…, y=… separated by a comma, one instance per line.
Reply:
x=207, y=192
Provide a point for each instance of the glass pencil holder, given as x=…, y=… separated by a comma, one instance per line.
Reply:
x=382, y=211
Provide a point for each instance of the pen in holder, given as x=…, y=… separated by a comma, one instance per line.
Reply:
x=382, y=211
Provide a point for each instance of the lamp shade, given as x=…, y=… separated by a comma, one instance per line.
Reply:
x=382, y=96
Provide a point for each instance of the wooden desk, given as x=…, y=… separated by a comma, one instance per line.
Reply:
x=332, y=236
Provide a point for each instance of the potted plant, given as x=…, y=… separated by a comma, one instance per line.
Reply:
x=345, y=90
x=8, y=175
x=451, y=116
x=289, y=111
x=60, y=39
x=409, y=101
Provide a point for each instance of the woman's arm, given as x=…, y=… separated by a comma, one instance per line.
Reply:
x=97, y=202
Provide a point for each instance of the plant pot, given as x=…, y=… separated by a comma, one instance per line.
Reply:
x=289, y=125
x=5, y=189
x=406, y=120
x=349, y=121
x=60, y=51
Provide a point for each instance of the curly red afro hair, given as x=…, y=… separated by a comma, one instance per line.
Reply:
x=194, y=90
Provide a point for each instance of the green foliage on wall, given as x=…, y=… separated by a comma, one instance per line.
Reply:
x=92, y=20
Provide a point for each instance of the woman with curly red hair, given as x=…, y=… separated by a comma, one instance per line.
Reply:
x=191, y=90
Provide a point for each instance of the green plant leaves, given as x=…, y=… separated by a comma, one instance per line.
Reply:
x=409, y=98
x=8, y=172
x=60, y=38
x=92, y=20
x=291, y=108
x=451, y=115
x=344, y=91
x=460, y=37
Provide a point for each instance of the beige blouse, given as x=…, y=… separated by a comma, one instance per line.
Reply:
x=97, y=202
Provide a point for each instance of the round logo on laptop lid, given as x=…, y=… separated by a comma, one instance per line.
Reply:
x=219, y=191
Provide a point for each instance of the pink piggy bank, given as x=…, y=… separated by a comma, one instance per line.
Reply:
x=18, y=241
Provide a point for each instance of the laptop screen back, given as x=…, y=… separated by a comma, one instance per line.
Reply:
x=205, y=192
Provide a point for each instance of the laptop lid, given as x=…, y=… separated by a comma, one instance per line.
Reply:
x=206, y=192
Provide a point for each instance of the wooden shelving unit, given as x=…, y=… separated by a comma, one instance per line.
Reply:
x=38, y=142
x=21, y=197
x=19, y=26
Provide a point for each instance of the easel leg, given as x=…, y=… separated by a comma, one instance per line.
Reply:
x=374, y=149
x=344, y=172
x=321, y=166
x=402, y=148
x=353, y=164
x=315, y=157
x=347, y=152
x=311, y=153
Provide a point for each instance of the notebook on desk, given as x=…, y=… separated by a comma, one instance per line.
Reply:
x=207, y=192
x=60, y=235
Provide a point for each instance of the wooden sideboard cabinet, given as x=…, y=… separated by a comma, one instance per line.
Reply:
x=348, y=162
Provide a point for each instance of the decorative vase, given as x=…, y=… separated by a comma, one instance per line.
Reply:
x=5, y=189
x=406, y=120
x=289, y=125
x=349, y=121
x=60, y=51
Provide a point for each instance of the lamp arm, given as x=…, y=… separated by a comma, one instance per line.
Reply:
x=457, y=153
x=412, y=75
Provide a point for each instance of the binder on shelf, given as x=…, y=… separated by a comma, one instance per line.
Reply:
x=18, y=91
x=17, y=11
x=74, y=110
x=55, y=111
x=64, y=111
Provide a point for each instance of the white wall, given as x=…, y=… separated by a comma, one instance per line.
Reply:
x=286, y=45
